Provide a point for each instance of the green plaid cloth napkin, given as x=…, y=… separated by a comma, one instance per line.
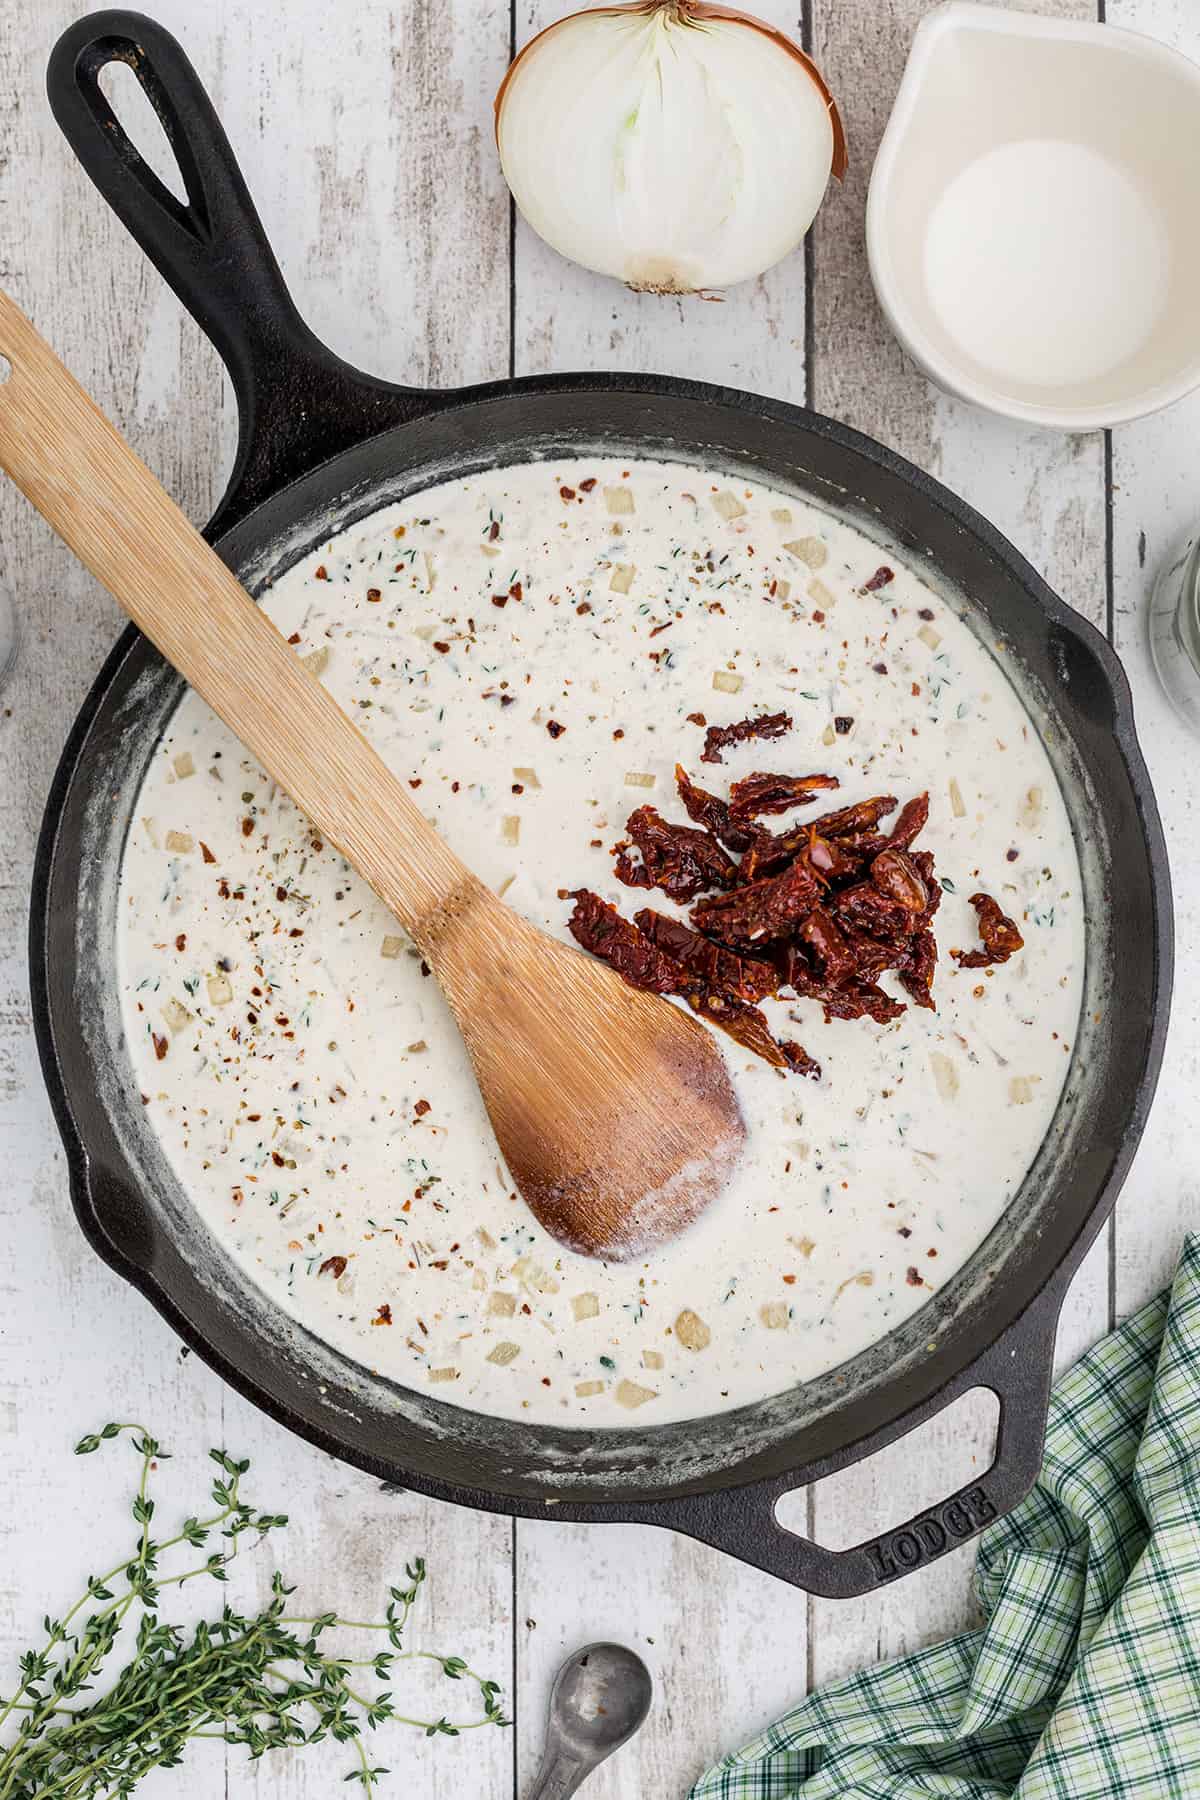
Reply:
x=1084, y=1682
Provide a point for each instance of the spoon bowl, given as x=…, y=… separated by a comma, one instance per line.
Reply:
x=600, y=1698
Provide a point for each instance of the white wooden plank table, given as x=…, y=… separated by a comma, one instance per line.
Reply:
x=365, y=132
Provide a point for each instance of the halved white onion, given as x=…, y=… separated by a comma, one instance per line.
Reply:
x=674, y=144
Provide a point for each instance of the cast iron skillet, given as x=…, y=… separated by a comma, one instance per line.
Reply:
x=321, y=444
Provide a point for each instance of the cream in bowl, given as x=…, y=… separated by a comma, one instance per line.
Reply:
x=1030, y=222
x=534, y=649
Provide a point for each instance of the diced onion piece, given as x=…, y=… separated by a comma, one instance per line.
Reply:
x=783, y=590
x=958, y=805
x=639, y=778
x=152, y=832
x=621, y=579
x=781, y=515
x=220, y=989
x=726, y=682
x=585, y=1389
x=1020, y=1089
x=346, y=1282
x=945, y=1075
x=391, y=946
x=504, y=1353
x=426, y=633
x=510, y=829
x=585, y=1306
x=819, y=594
x=180, y=841
x=316, y=660
x=479, y=1281
x=502, y=1305
x=527, y=778
x=652, y=1359
x=829, y=735
x=774, y=1315
x=485, y=1237
x=728, y=505
x=183, y=765
x=176, y=1014
x=929, y=637
x=619, y=500
x=1031, y=809
x=629, y=1394
x=443, y=1374
x=810, y=550
x=430, y=571
x=691, y=1330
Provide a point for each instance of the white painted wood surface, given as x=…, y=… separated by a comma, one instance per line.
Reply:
x=366, y=136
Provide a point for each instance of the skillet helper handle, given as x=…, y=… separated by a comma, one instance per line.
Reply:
x=1017, y=1369
x=298, y=403
x=81, y=475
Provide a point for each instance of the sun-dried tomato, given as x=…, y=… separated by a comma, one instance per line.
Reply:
x=719, y=737
x=895, y=874
x=864, y=815
x=1001, y=939
x=707, y=810
x=829, y=944
x=864, y=908
x=917, y=970
x=765, y=910
x=680, y=860
x=744, y=977
x=748, y=1027
x=764, y=793
x=599, y=927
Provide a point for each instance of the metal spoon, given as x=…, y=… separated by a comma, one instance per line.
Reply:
x=600, y=1697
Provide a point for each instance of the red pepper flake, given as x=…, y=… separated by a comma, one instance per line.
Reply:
x=414, y=781
x=905, y=1230
x=374, y=596
x=880, y=668
x=493, y=531
x=499, y=599
x=913, y=1276
x=566, y=493
x=790, y=1280
x=223, y=888
x=842, y=725
x=1011, y=855
x=880, y=579
x=926, y=613
x=818, y=616
x=321, y=573
x=421, y=1108
x=516, y=591
x=518, y=787
x=618, y=733
x=247, y=827
x=333, y=1265
x=442, y=649
x=160, y=1045
x=583, y=609
x=206, y=853
x=383, y=1316
x=295, y=638
x=281, y=893
x=181, y=941
x=585, y=487
x=697, y=718
x=554, y=728
x=277, y=1159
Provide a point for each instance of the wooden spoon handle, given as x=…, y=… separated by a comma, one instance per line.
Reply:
x=100, y=498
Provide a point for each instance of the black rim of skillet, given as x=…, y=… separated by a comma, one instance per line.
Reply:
x=312, y=429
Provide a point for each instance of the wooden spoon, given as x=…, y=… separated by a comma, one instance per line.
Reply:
x=612, y=1109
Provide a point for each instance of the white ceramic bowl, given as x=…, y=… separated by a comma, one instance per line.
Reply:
x=1032, y=222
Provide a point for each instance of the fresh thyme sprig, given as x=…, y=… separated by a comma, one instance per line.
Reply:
x=263, y=1681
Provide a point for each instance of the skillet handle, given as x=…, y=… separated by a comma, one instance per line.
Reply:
x=742, y=1521
x=298, y=404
